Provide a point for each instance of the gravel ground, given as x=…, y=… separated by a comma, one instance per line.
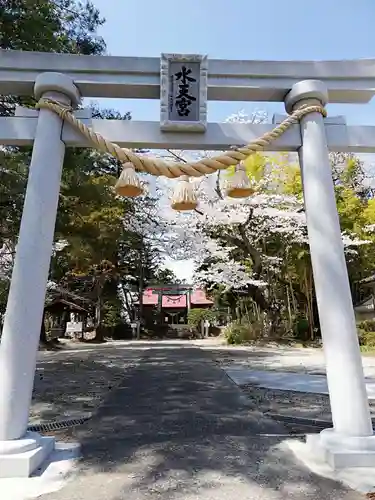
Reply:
x=296, y=404
x=177, y=428
x=203, y=454
x=289, y=359
x=72, y=384
x=280, y=358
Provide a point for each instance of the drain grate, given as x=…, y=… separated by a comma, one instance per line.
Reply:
x=54, y=426
x=316, y=424
x=302, y=422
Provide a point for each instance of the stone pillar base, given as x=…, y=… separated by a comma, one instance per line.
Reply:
x=341, y=451
x=21, y=457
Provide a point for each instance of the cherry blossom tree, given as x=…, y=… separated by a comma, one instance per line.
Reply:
x=258, y=247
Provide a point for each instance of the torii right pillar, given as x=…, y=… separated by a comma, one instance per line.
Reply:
x=351, y=442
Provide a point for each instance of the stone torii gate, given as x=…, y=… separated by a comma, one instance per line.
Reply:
x=64, y=79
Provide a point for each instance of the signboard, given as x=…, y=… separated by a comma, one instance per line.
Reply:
x=73, y=327
x=183, y=92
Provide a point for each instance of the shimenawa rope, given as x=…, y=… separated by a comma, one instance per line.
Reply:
x=129, y=185
x=159, y=167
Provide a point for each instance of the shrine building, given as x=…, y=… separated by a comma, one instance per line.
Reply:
x=174, y=302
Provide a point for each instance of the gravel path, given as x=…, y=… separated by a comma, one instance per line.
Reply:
x=71, y=384
x=183, y=457
x=177, y=428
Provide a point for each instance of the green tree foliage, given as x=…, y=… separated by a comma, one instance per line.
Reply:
x=66, y=26
x=165, y=276
x=96, y=253
x=50, y=26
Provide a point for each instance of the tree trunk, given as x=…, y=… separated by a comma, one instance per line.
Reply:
x=64, y=321
x=290, y=317
x=141, y=290
x=99, y=330
x=309, y=296
x=43, y=333
x=128, y=307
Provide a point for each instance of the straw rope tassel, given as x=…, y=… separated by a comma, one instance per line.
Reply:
x=128, y=183
x=184, y=196
x=239, y=184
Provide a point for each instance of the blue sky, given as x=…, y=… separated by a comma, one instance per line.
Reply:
x=241, y=29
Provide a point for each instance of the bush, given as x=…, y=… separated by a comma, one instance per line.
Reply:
x=301, y=328
x=366, y=334
x=196, y=316
x=367, y=325
x=238, y=333
x=366, y=338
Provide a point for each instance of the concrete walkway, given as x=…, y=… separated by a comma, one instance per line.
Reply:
x=177, y=428
x=299, y=382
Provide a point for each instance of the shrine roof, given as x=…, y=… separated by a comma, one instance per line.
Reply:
x=198, y=298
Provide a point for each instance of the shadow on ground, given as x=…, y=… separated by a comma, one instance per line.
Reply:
x=176, y=427
x=71, y=384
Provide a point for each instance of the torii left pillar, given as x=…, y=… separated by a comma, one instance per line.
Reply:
x=21, y=452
